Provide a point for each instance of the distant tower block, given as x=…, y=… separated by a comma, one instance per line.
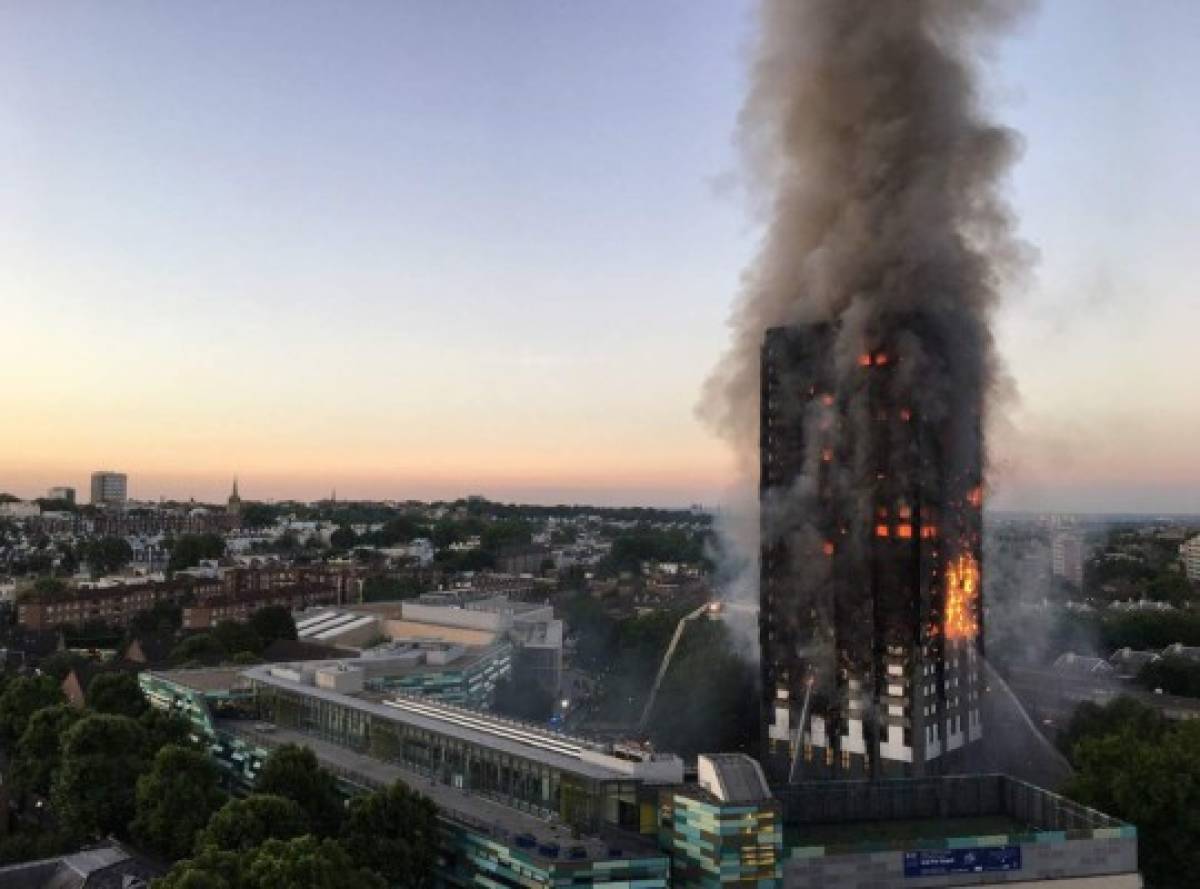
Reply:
x=109, y=488
x=871, y=621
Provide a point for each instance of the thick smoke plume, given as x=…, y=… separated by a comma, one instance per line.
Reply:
x=878, y=172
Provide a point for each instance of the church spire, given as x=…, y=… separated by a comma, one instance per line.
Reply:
x=234, y=507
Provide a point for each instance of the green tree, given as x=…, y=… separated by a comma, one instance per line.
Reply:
x=1174, y=675
x=202, y=648
x=272, y=623
x=299, y=863
x=39, y=751
x=117, y=693
x=292, y=772
x=708, y=699
x=175, y=799
x=529, y=702
x=21, y=698
x=305, y=863
x=210, y=869
x=93, y=790
x=398, y=530
x=1095, y=721
x=190, y=549
x=108, y=554
x=394, y=832
x=243, y=824
x=51, y=589
x=343, y=538
x=162, y=617
x=161, y=729
x=68, y=559
x=58, y=665
x=258, y=515
x=1153, y=783
x=382, y=588
x=233, y=636
x=510, y=532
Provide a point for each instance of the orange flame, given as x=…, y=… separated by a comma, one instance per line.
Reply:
x=962, y=594
x=975, y=498
x=864, y=360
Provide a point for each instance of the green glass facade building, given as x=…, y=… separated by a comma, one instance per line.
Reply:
x=520, y=808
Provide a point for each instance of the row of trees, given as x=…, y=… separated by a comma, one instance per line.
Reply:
x=295, y=830
x=1133, y=764
x=72, y=772
x=117, y=767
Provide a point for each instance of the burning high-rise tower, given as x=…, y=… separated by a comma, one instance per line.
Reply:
x=870, y=620
x=861, y=371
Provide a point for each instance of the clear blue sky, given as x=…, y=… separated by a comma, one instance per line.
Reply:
x=429, y=248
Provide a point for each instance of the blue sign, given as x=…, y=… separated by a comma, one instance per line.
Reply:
x=939, y=862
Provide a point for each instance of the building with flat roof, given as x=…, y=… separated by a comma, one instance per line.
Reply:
x=63, y=493
x=871, y=610
x=950, y=831
x=521, y=806
x=109, y=488
x=531, y=629
x=525, y=808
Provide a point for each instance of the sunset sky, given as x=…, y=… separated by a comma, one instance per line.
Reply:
x=427, y=249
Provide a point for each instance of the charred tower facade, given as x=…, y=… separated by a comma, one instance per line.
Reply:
x=871, y=503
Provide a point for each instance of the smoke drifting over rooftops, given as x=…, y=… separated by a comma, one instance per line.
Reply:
x=879, y=172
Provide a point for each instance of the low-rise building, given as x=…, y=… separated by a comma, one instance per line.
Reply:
x=519, y=806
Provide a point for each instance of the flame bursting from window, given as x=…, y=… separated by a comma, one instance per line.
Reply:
x=962, y=594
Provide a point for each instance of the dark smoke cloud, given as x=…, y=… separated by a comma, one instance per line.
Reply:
x=878, y=172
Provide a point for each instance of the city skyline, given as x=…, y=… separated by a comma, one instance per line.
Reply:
x=432, y=270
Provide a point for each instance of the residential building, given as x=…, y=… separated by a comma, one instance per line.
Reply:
x=223, y=594
x=62, y=493
x=20, y=509
x=1066, y=553
x=109, y=488
x=238, y=607
x=1072, y=664
x=105, y=866
x=1190, y=552
x=871, y=614
x=1179, y=650
x=1128, y=663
